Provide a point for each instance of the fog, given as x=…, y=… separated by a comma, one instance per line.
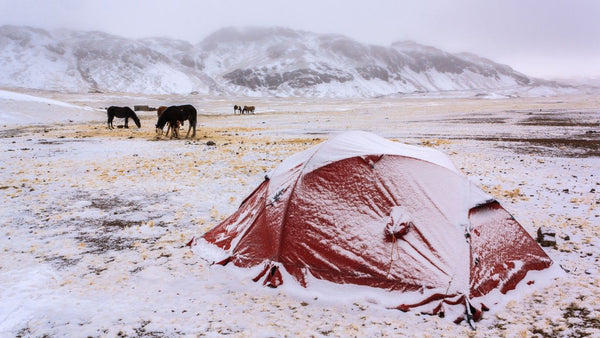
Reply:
x=548, y=39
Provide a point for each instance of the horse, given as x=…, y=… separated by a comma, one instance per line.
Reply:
x=171, y=128
x=237, y=108
x=160, y=110
x=248, y=109
x=172, y=116
x=191, y=115
x=121, y=112
x=175, y=116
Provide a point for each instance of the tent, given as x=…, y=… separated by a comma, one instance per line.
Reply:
x=361, y=209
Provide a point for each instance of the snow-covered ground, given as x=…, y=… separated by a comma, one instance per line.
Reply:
x=94, y=221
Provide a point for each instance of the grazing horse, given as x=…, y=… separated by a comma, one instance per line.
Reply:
x=172, y=116
x=175, y=116
x=121, y=112
x=170, y=127
x=237, y=108
x=248, y=109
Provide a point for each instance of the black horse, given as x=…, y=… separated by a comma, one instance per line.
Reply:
x=176, y=115
x=171, y=127
x=237, y=108
x=191, y=115
x=121, y=112
x=173, y=116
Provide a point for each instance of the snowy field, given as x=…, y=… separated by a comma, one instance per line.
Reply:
x=94, y=222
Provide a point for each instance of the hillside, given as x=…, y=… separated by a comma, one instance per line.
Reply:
x=235, y=61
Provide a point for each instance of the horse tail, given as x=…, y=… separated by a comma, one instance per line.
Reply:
x=110, y=115
x=194, y=114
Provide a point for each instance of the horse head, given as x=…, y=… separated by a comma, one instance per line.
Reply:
x=136, y=120
x=163, y=118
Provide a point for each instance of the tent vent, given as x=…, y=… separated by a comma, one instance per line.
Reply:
x=398, y=223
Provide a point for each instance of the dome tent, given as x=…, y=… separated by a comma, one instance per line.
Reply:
x=360, y=209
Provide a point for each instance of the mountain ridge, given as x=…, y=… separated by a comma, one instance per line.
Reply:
x=251, y=61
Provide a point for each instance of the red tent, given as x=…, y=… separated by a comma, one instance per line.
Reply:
x=360, y=209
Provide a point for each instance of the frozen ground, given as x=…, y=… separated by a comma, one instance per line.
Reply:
x=94, y=222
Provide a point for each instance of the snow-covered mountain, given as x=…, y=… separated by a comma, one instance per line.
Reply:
x=234, y=61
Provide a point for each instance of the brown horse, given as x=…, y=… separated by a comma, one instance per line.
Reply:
x=160, y=110
x=248, y=110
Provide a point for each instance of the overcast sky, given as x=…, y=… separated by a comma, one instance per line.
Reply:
x=544, y=38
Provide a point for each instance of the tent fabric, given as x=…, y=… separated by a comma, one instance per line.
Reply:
x=360, y=209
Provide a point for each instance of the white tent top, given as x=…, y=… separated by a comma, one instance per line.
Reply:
x=358, y=143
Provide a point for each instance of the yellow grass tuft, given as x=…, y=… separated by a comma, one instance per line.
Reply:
x=434, y=142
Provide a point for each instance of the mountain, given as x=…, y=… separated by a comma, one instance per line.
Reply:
x=287, y=62
x=252, y=61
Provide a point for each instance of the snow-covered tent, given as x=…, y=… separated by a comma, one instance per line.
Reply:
x=360, y=209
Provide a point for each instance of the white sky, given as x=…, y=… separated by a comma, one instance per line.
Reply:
x=544, y=38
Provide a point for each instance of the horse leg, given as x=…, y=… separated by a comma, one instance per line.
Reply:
x=192, y=125
x=174, y=129
x=109, y=122
x=126, y=122
x=174, y=126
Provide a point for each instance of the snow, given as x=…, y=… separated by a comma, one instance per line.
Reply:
x=80, y=62
x=398, y=222
x=94, y=222
x=355, y=144
x=39, y=110
x=7, y=95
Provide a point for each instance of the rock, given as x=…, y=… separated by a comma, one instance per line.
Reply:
x=211, y=143
x=546, y=237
